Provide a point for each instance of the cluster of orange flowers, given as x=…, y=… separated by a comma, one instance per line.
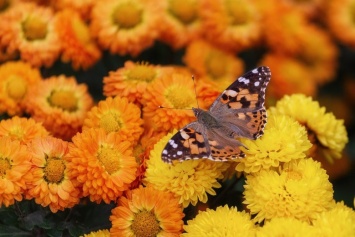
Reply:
x=301, y=54
x=57, y=145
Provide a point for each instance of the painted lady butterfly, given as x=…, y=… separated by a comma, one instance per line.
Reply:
x=238, y=112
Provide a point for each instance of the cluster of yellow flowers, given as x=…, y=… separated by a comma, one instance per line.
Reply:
x=59, y=146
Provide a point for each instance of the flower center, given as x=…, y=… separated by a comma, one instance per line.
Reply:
x=81, y=31
x=185, y=11
x=238, y=12
x=111, y=122
x=293, y=175
x=179, y=97
x=127, y=15
x=216, y=64
x=54, y=170
x=65, y=100
x=141, y=72
x=4, y=166
x=34, y=28
x=16, y=87
x=16, y=132
x=110, y=159
x=145, y=224
x=4, y=4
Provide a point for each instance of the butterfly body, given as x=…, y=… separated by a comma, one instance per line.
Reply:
x=238, y=112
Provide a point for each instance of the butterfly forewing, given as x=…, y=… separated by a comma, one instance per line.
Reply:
x=238, y=112
x=241, y=105
x=189, y=143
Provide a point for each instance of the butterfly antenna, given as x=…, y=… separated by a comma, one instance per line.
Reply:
x=193, y=79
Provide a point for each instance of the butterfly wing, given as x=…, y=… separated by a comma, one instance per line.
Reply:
x=241, y=106
x=189, y=143
x=223, y=148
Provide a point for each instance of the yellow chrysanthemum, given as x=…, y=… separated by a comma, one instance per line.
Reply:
x=339, y=221
x=223, y=221
x=126, y=26
x=171, y=91
x=289, y=75
x=78, y=47
x=60, y=104
x=219, y=67
x=102, y=163
x=35, y=36
x=147, y=212
x=330, y=133
x=116, y=115
x=131, y=81
x=49, y=183
x=232, y=25
x=99, y=233
x=189, y=181
x=179, y=23
x=14, y=165
x=290, y=227
x=15, y=79
x=22, y=129
x=300, y=189
x=339, y=18
x=284, y=140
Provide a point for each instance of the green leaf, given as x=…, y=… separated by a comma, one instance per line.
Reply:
x=6, y=230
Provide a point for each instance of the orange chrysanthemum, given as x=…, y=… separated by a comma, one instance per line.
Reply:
x=82, y=7
x=116, y=115
x=22, y=129
x=319, y=54
x=283, y=28
x=179, y=23
x=8, y=50
x=60, y=104
x=142, y=150
x=15, y=78
x=339, y=18
x=14, y=165
x=102, y=163
x=172, y=91
x=308, y=8
x=34, y=35
x=78, y=47
x=232, y=25
x=127, y=26
x=218, y=67
x=49, y=183
x=147, y=212
x=132, y=80
x=288, y=76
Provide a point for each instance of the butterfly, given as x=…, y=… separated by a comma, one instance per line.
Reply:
x=238, y=112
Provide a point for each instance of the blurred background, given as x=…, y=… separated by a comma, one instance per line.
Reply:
x=309, y=46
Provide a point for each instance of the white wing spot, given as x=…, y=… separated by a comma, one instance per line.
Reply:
x=232, y=93
x=184, y=135
x=165, y=152
x=257, y=83
x=173, y=144
x=179, y=153
x=255, y=71
x=244, y=80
